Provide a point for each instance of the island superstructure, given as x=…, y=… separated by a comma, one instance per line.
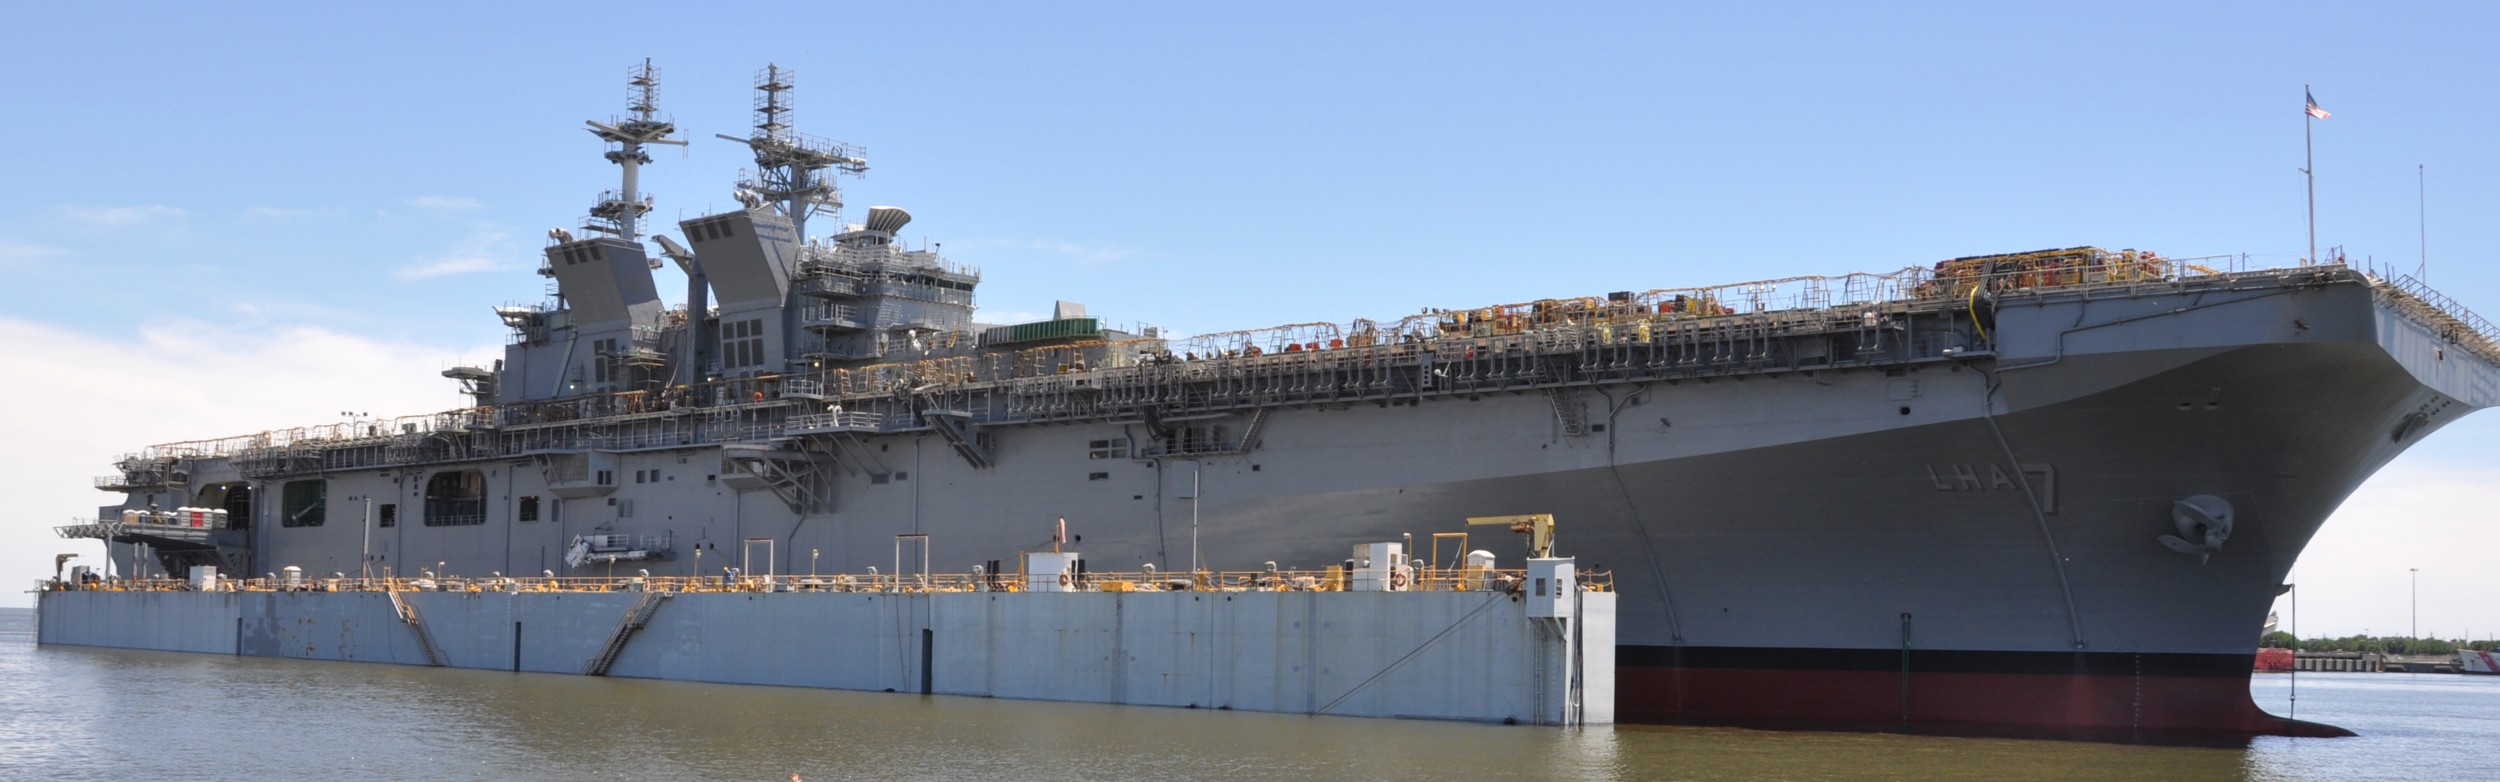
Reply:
x=2056, y=488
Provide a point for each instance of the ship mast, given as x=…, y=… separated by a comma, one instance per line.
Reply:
x=619, y=212
x=790, y=167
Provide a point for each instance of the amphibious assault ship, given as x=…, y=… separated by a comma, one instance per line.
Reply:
x=2050, y=489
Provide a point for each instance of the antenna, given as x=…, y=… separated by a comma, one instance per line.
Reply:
x=2422, y=190
x=619, y=212
x=789, y=164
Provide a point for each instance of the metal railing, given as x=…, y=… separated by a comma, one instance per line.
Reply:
x=1730, y=329
x=828, y=284
x=1323, y=580
x=855, y=420
x=843, y=315
x=2452, y=320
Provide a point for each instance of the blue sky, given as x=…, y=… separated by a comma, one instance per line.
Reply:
x=209, y=191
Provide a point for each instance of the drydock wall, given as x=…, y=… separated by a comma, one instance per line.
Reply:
x=1432, y=655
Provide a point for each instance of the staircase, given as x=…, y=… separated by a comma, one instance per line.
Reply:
x=1250, y=433
x=1571, y=413
x=425, y=642
x=795, y=477
x=959, y=430
x=635, y=618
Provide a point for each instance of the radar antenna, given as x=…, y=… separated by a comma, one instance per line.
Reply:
x=790, y=167
x=619, y=212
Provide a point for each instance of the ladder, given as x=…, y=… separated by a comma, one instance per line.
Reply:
x=1250, y=434
x=635, y=618
x=408, y=613
x=1570, y=412
x=959, y=430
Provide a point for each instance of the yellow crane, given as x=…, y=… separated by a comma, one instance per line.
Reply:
x=1539, y=527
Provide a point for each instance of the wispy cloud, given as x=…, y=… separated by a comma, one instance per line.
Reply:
x=238, y=379
x=1079, y=253
x=12, y=253
x=447, y=203
x=1086, y=254
x=279, y=213
x=123, y=216
x=485, y=250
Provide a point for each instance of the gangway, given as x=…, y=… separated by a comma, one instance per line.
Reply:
x=635, y=618
x=425, y=641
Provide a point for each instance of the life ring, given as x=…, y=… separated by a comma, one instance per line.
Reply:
x=1397, y=579
x=1066, y=581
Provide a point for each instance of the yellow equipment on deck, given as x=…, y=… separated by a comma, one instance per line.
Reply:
x=1539, y=527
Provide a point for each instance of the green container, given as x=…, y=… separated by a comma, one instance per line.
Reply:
x=1043, y=331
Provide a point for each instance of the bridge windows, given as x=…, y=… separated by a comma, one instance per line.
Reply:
x=455, y=498
x=603, y=362
x=742, y=343
x=303, y=503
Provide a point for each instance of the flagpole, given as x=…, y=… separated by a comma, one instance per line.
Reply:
x=2308, y=168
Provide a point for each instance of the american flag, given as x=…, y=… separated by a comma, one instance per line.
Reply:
x=2314, y=111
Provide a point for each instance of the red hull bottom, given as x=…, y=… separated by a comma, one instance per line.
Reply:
x=2081, y=703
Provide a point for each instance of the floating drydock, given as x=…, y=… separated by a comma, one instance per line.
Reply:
x=1531, y=646
x=2053, y=489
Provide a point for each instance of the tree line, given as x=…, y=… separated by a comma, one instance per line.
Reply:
x=2381, y=644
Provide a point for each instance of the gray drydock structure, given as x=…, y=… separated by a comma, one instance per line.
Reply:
x=1473, y=655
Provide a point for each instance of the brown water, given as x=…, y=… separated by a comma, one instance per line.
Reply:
x=77, y=714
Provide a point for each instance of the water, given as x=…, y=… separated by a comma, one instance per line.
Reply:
x=78, y=714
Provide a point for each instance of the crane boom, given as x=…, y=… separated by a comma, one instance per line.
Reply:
x=1539, y=527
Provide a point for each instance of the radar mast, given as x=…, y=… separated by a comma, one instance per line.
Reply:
x=619, y=212
x=790, y=167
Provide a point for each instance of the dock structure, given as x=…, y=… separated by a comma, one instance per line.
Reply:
x=1530, y=646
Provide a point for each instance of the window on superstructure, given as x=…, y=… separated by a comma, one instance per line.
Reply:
x=529, y=509
x=386, y=514
x=603, y=361
x=302, y=503
x=742, y=343
x=1114, y=448
x=455, y=498
x=1196, y=438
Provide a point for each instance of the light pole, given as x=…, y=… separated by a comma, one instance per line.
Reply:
x=1194, y=490
x=2417, y=601
x=364, y=550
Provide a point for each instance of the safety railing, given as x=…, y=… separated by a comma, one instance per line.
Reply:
x=1323, y=580
x=1722, y=329
x=827, y=284
x=857, y=420
x=2451, y=319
